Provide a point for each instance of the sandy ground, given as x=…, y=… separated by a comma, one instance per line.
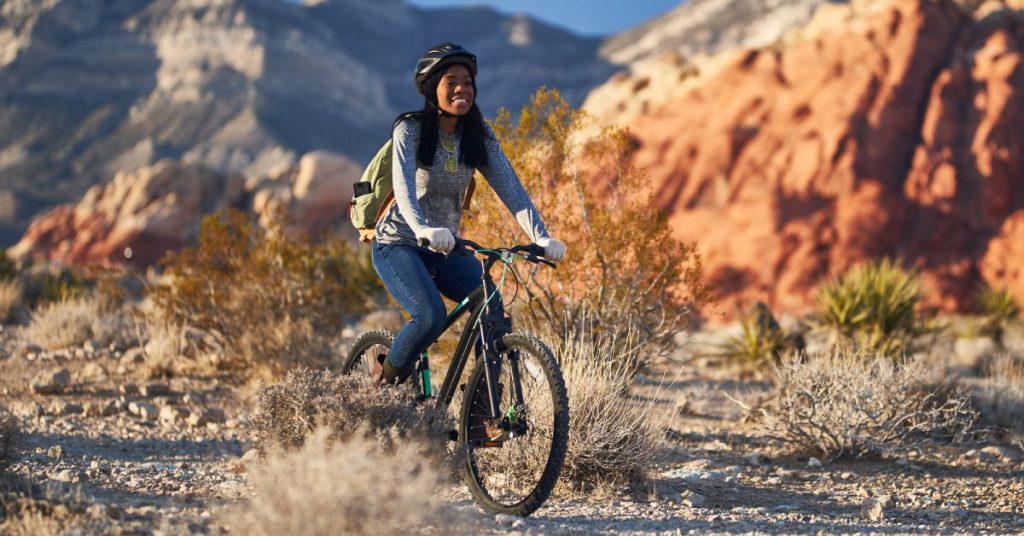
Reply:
x=164, y=458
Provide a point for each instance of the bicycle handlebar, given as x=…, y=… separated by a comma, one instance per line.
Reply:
x=533, y=252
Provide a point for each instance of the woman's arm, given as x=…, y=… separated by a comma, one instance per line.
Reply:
x=403, y=175
x=510, y=190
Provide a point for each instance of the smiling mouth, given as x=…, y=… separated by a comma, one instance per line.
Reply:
x=460, y=100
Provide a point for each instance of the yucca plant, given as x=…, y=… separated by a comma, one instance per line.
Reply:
x=761, y=341
x=998, y=309
x=874, y=307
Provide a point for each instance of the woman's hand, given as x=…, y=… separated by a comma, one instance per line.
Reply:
x=438, y=239
x=554, y=250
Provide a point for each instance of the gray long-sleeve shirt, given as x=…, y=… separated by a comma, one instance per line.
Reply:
x=433, y=197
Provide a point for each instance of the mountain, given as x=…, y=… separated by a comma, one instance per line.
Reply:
x=92, y=87
x=882, y=128
x=700, y=27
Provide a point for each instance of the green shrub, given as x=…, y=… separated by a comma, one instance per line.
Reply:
x=998, y=310
x=263, y=297
x=873, y=308
x=761, y=340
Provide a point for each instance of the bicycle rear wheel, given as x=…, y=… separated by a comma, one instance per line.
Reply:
x=367, y=347
x=516, y=474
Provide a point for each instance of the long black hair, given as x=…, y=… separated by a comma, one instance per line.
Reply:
x=472, y=145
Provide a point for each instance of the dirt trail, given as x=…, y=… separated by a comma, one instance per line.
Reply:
x=172, y=472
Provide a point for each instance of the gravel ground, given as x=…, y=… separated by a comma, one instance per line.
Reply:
x=164, y=457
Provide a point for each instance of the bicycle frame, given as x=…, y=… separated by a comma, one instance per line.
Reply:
x=477, y=305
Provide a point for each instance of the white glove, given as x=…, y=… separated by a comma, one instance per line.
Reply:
x=554, y=250
x=441, y=239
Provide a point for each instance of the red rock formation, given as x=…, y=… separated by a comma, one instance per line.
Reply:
x=135, y=218
x=140, y=215
x=888, y=127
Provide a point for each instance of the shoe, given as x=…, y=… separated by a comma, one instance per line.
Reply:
x=383, y=373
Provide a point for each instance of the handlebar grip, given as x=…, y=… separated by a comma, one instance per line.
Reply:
x=423, y=242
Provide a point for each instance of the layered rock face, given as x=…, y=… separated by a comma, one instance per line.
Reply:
x=89, y=88
x=139, y=216
x=886, y=127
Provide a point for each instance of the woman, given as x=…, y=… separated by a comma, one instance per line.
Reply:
x=435, y=152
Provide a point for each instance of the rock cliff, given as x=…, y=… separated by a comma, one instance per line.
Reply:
x=89, y=88
x=884, y=127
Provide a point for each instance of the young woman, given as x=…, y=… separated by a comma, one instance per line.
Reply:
x=436, y=151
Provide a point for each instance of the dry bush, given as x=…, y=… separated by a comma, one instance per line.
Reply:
x=346, y=405
x=1001, y=395
x=53, y=509
x=346, y=487
x=622, y=263
x=266, y=298
x=73, y=320
x=844, y=404
x=613, y=437
x=10, y=298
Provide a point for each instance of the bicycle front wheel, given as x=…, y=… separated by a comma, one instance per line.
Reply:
x=512, y=465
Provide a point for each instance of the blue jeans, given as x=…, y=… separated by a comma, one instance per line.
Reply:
x=416, y=277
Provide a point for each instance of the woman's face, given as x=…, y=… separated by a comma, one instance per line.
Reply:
x=455, y=92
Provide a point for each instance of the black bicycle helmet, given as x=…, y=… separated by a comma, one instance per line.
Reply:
x=440, y=57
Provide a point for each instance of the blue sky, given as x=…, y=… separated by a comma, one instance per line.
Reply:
x=588, y=17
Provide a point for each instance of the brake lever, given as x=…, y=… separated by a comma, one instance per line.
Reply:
x=533, y=258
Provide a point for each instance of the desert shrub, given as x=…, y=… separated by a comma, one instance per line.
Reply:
x=842, y=404
x=623, y=263
x=10, y=298
x=614, y=437
x=346, y=406
x=8, y=268
x=1001, y=394
x=72, y=321
x=761, y=339
x=28, y=508
x=998, y=309
x=873, y=308
x=8, y=434
x=264, y=297
x=348, y=487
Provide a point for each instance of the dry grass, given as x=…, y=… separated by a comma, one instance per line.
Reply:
x=1001, y=396
x=846, y=404
x=11, y=295
x=72, y=321
x=613, y=437
x=287, y=413
x=346, y=487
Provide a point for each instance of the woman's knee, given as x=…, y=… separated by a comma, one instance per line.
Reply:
x=430, y=321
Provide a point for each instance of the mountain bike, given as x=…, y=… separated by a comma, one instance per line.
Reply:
x=514, y=422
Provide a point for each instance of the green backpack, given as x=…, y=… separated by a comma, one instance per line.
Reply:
x=373, y=194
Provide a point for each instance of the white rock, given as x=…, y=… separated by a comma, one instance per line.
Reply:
x=872, y=509
x=692, y=499
x=814, y=463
